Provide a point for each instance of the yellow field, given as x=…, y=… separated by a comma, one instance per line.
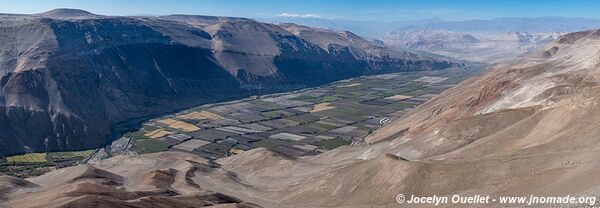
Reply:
x=167, y=121
x=70, y=155
x=179, y=125
x=322, y=107
x=398, y=97
x=236, y=151
x=158, y=133
x=28, y=158
x=202, y=115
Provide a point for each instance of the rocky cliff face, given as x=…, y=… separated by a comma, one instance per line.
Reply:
x=67, y=75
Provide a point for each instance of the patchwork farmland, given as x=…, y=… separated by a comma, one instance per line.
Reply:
x=33, y=164
x=299, y=123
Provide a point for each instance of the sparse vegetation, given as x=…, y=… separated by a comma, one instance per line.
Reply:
x=330, y=144
x=31, y=158
x=343, y=111
x=64, y=156
x=145, y=146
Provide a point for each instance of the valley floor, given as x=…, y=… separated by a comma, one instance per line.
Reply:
x=300, y=123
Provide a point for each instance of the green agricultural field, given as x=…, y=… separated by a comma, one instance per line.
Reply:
x=418, y=92
x=272, y=114
x=400, y=105
x=330, y=98
x=215, y=148
x=320, y=126
x=430, y=90
x=140, y=134
x=408, y=89
x=275, y=142
x=352, y=117
x=276, y=114
x=26, y=171
x=31, y=158
x=338, y=113
x=307, y=98
x=264, y=143
x=330, y=144
x=306, y=118
x=145, y=146
x=356, y=100
x=372, y=82
x=326, y=98
x=64, y=156
x=368, y=97
x=395, y=92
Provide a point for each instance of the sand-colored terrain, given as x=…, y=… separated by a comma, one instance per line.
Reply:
x=158, y=133
x=202, y=115
x=322, y=107
x=398, y=97
x=158, y=180
x=183, y=126
x=524, y=128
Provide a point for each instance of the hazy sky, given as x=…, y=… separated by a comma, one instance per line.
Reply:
x=377, y=10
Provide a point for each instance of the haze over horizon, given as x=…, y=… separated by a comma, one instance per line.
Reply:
x=380, y=11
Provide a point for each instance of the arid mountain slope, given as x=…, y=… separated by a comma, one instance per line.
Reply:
x=162, y=180
x=524, y=128
x=72, y=75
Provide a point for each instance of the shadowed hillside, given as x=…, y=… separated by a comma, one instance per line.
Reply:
x=71, y=75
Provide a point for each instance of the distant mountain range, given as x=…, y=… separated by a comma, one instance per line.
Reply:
x=68, y=76
x=512, y=24
x=497, y=25
x=472, y=46
x=490, y=41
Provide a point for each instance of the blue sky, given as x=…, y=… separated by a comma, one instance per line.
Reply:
x=371, y=10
